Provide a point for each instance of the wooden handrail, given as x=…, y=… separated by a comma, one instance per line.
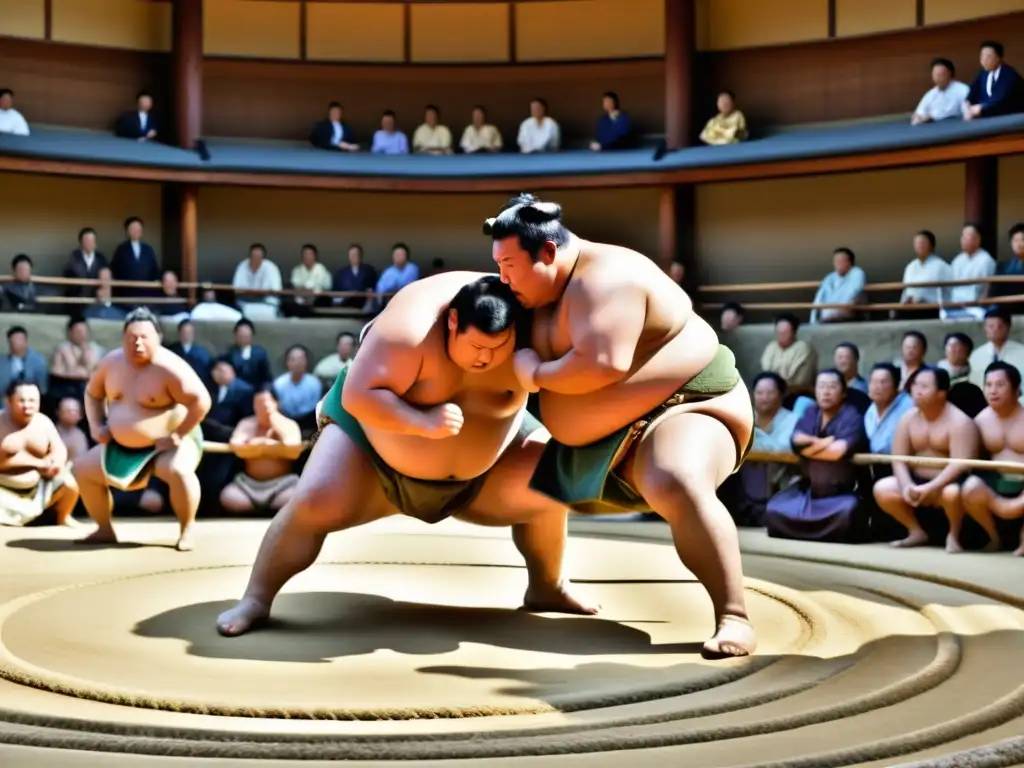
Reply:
x=932, y=462
x=895, y=286
x=886, y=307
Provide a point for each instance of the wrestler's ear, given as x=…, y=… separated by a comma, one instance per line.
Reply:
x=546, y=254
x=453, y=320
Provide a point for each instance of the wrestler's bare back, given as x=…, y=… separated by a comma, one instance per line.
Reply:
x=932, y=438
x=1003, y=438
x=675, y=343
x=492, y=402
x=19, y=443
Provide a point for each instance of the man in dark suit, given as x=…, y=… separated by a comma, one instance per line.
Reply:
x=355, y=277
x=194, y=354
x=997, y=88
x=249, y=360
x=333, y=133
x=135, y=260
x=84, y=263
x=138, y=124
x=231, y=398
x=20, y=293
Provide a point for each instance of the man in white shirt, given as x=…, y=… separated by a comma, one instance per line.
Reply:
x=257, y=274
x=11, y=120
x=999, y=347
x=928, y=267
x=946, y=99
x=480, y=136
x=209, y=309
x=973, y=262
x=538, y=132
x=311, y=277
x=432, y=138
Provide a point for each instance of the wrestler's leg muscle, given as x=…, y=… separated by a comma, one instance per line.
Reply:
x=977, y=498
x=177, y=469
x=952, y=505
x=63, y=502
x=338, y=489
x=890, y=500
x=95, y=494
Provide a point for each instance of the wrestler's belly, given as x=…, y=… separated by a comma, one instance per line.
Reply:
x=133, y=426
x=467, y=455
x=20, y=479
x=1011, y=457
x=267, y=469
x=582, y=419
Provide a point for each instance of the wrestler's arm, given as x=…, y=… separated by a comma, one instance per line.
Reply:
x=901, y=447
x=385, y=369
x=57, y=452
x=605, y=323
x=95, y=399
x=963, y=444
x=241, y=437
x=186, y=388
x=289, y=442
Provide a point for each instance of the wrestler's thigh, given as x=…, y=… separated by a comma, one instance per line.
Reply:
x=183, y=460
x=89, y=466
x=974, y=490
x=886, y=489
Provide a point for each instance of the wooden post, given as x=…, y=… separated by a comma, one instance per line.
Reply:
x=676, y=229
x=179, y=249
x=981, y=199
x=188, y=71
x=680, y=50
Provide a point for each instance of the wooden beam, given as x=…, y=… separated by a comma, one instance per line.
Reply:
x=303, y=28
x=680, y=55
x=512, y=44
x=981, y=199
x=48, y=20
x=831, y=19
x=407, y=30
x=188, y=71
x=919, y=13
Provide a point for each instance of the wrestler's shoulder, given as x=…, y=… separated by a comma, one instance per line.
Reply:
x=958, y=417
x=170, y=363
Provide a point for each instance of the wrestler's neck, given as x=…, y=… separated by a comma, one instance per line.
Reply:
x=934, y=410
x=566, y=260
x=1007, y=411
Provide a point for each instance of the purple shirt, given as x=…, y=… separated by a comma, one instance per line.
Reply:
x=385, y=143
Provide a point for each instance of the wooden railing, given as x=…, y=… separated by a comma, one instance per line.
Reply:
x=931, y=462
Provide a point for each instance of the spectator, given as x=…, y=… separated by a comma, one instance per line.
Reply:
x=913, y=348
x=1014, y=267
x=174, y=311
x=732, y=316
x=231, y=401
x=677, y=271
x=356, y=277
x=20, y=293
x=846, y=357
x=21, y=361
x=927, y=267
x=999, y=347
x=824, y=505
x=480, y=136
x=333, y=132
x=69, y=416
x=844, y=285
x=103, y=308
x=538, y=132
x=249, y=360
x=310, y=277
x=298, y=391
x=11, y=120
x=957, y=349
x=996, y=89
x=432, y=138
x=401, y=273
x=793, y=359
x=330, y=367
x=268, y=442
x=254, y=278
x=729, y=126
x=135, y=259
x=1001, y=426
x=192, y=353
x=388, y=140
x=773, y=424
x=74, y=362
x=210, y=309
x=972, y=262
x=84, y=263
x=933, y=427
x=138, y=124
x=614, y=128
x=888, y=404
x=945, y=100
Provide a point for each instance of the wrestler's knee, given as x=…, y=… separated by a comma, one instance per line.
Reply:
x=886, y=489
x=89, y=467
x=973, y=490
x=950, y=494
x=667, y=488
x=70, y=483
x=233, y=500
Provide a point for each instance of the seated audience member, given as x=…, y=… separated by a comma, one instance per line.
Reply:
x=843, y=285
x=333, y=132
x=84, y=263
x=1001, y=426
x=538, y=132
x=310, y=277
x=298, y=391
x=231, y=401
x=824, y=505
x=253, y=276
x=174, y=311
x=388, y=140
x=1013, y=267
x=74, y=361
x=192, y=353
x=431, y=137
x=210, y=308
x=996, y=89
x=614, y=128
x=729, y=126
x=999, y=347
x=480, y=136
x=677, y=271
x=401, y=273
x=732, y=316
x=957, y=348
x=357, y=277
x=250, y=361
x=945, y=100
x=888, y=404
x=135, y=259
x=927, y=267
x=103, y=308
x=268, y=442
x=138, y=124
x=69, y=416
x=933, y=427
x=11, y=120
x=33, y=465
x=328, y=368
x=21, y=361
x=913, y=348
x=846, y=358
x=20, y=293
x=793, y=359
x=972, y=262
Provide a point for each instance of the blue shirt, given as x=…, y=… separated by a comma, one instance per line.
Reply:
x=839, y=289
x=613, y=133
x=858, y=383
x=385, y=143
x=777, y=438
x=881, y=431
x=394, y=279
x=297, y=400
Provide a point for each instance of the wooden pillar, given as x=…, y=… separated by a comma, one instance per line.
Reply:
x=676, y=230
x=981, y=193
x=188, y=71
x=680, y=50
x=179, y=249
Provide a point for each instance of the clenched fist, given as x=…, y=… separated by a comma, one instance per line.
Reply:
x=443, y=421
x=526, y=362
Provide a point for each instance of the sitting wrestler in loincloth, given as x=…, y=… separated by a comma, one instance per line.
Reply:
x=429, y=421
x=1001, y=425
x=33, y=462
x=144, y=405
x=646, y=409
x=268, y=442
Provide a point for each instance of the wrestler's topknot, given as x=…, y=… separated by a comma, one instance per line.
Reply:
x=532, y=220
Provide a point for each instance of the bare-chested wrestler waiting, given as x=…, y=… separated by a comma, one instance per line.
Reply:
x=428, y=421
x=33, y=462
x=144, y=405
x=646, y=409
x=1002, y=433
x=933, y=428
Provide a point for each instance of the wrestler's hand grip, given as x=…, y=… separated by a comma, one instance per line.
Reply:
x=443, y=421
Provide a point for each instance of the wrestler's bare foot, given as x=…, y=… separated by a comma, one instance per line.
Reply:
x=994, y=545
x=735, y=637
x=555, y=598
x=1019, y=551
x=186, y=541
x=248, y=614
x=102, y=535
x=71, y=523
x=953, y=545
x=916, y=538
